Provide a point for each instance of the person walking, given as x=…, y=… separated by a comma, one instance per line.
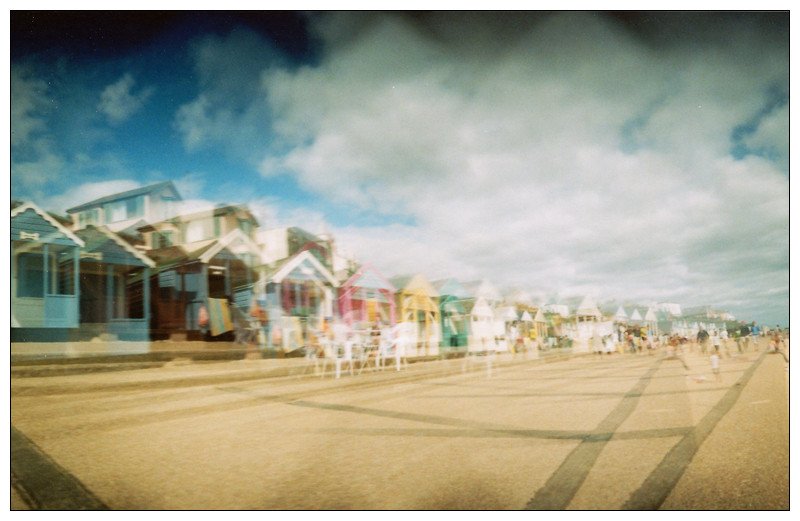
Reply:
x=715, y=341
x=744, y=333
x=702, y=339
x=754, y=331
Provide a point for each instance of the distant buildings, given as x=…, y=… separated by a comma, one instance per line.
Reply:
x=132, y=265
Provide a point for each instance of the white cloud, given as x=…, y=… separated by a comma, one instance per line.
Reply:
x=28, y=100
x=577, y=159
x=229, y=113
x=36, y=161
x=118, y=101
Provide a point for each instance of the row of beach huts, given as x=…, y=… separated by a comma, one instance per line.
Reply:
x=135, y=266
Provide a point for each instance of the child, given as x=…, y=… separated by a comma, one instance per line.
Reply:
x=715, y=364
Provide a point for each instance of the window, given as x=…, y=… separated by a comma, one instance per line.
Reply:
x=89, y=218
x=30, y=281
x=115, y=212
x=135, y=207
x=65, y=274
x=125, y=209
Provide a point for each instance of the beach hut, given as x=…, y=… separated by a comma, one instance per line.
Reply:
x=417, y=302
x=651, y=322
x=44, y=274
x=540, y=325
x=455, y=320
x=114, y=287
x=367, y=297
x=527, y=309
x=621, y=316
x=192, y=286
x=481, y=337
x=505, y=318
x=298, y=297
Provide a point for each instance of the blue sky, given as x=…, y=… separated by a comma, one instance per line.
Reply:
x=633, y=157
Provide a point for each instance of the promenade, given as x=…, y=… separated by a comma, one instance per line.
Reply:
x=611, y=432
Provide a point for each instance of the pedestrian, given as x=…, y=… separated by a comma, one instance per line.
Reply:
x=744, y=333
x=714, y=358
x=702, y=339
x=715, y=340
x=754, y=331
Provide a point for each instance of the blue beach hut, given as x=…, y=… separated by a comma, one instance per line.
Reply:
x=114, y=286
x=44, y=275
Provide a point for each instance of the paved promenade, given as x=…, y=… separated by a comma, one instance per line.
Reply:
x=613, y=432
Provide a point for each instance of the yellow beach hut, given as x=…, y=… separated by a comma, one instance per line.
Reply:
x=418, y=303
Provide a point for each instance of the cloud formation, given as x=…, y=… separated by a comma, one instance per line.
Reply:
x=569, y=155
x=118, y=101
x=639, y=157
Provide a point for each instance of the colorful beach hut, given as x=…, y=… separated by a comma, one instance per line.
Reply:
x=367, y=297
x=455, y=320
x=417, y=303
x=44, y=274
x=298, y=297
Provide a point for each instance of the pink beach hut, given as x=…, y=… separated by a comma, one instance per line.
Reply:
x=367, y=297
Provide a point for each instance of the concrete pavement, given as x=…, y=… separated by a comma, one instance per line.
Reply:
x=613, y=432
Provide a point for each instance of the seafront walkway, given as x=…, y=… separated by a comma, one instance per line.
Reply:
x=582, y=432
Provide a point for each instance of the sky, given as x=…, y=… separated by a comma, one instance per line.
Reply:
x=634, y=157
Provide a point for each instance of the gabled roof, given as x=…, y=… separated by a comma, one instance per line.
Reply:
x=91, y=234
x=125, y=195
x=368, y=277
x=47, y=217
x=479, y=308
x=506, y=313
x=296, y=261
x=587, y=307
x=66, y=221
x=414, y=282
x=226, y=241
